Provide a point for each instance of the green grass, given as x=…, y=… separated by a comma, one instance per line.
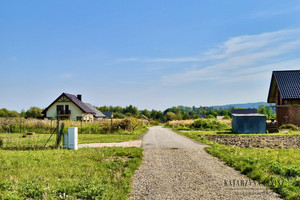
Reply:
x=95, y=173
x=93, y=138
x=15, y=141
x=109, y=138
x=278, y=169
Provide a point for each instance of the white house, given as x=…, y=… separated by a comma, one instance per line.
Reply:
x=69, y=106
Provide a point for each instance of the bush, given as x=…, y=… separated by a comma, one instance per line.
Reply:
x=155, y=122
x=210, y=116
x=290, y=127
x=226, y=117
x=1, y=143
x=214, y=125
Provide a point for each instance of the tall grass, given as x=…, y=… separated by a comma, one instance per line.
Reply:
x=22, y=125
x=15, y=129
x=199, y=124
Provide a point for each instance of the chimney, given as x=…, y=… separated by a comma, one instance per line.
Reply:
x=79, y=96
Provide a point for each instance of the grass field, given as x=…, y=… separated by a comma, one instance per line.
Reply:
x=15, y=141
x=278, y=169
x=96, y=173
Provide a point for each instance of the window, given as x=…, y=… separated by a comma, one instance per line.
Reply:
x=78, y=118
x=60, y=109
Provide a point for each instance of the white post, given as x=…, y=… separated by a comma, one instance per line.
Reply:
x=73, y=138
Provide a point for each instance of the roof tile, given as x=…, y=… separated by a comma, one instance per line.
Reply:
x=288, y=83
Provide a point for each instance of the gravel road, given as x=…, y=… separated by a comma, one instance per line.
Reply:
x=175, y=167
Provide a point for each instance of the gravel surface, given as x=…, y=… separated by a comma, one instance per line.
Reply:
x=183, y=170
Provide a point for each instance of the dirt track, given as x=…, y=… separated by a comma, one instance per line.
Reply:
x=175, y=167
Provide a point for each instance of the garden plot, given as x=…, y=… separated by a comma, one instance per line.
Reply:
x=259, y=141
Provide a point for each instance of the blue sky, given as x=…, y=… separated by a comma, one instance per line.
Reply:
x=151, y=54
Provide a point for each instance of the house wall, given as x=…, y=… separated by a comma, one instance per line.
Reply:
x=88, y=117
x=75, y=111
x=288, y=115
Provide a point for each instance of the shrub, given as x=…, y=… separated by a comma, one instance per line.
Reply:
x=155, y=122
x=1, y=143
x=203, y=124
x=226, y=117
x=210, y=116
x=196, y=117
x=290, y=127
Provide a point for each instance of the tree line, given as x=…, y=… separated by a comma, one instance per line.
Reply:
x=33, y=112
x=173, y=113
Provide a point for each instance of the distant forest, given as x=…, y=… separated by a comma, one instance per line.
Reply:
x=174, y=113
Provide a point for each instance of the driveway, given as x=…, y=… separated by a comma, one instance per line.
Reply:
x=175, y=167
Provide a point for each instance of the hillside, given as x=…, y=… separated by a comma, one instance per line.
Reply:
x=242, y=105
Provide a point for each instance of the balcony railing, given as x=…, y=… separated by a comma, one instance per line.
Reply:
x=64, y=112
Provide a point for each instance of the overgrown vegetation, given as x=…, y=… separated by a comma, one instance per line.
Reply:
x=14, y=132
x=22, y=125
x=289, y=127
x=95, y=173
x=199, y=124
x=202, y=124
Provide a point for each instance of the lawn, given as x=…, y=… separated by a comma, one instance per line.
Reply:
x=278, y=169
x=95, y=173
x=16, y=141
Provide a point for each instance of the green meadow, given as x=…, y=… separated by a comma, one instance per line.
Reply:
x=95, y=173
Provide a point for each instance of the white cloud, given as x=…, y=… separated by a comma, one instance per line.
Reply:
x=243, y=58
x=274, y=12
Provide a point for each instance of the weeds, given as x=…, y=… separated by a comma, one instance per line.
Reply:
x=289, y=127
x=22, y=125
x=205, y=125
x=199, y=124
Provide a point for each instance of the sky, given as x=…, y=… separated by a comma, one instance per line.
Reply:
x=152, y=54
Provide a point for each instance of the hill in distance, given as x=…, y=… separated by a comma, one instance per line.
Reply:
x=242, y=105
